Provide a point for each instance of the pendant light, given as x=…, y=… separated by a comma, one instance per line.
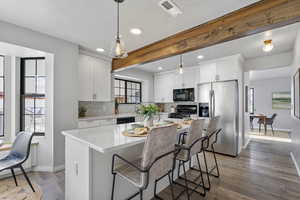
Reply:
x=118, y=50
x=181, y=65
x=268, y=45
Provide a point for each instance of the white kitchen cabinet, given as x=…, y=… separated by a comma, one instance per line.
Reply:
x=163, y=89
x=228, y=69
x=207, y=73
x=94, y=79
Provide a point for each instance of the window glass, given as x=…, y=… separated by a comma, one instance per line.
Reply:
x=33, y=92
x=127, y=91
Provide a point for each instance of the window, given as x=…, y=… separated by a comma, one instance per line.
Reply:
x=251, y=100
x=33, y=95
x=2, y=88
x=129, y=92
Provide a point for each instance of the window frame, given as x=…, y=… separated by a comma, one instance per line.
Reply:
x=251, y=111
x=23, y=94
x=3, y=77
x=127, y=81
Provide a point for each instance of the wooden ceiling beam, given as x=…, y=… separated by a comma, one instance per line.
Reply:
x=255, y=18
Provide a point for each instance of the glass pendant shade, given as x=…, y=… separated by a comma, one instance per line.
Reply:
x=180, y=70
x=268, y=45
x=118, y=49
x=181, y=66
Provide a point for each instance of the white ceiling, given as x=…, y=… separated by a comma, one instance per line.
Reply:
x=91, y=23
x=250, y=47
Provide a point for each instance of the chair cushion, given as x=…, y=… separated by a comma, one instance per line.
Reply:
x=130, y=173
x=9, y=161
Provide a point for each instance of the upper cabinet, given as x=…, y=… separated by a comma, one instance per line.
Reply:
x=94, y=79
x=208, y=73
x=163, y=87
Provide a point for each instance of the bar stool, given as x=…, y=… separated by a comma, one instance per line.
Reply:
x=156, y=163
x=192, y=144
x=209, y=133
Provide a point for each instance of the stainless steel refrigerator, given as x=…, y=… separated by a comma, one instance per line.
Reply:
x=222, y=99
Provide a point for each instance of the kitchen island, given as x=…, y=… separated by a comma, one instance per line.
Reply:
x=89, y=158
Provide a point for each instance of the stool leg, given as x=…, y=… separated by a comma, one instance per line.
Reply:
x=186, y=182
x=217, y=167
x=201, y=175
x=206, y=168
x=113, y=187
x=171, y=185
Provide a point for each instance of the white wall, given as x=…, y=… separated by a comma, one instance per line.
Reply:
x=147, y=79
x=263, y=90
x=65, y=105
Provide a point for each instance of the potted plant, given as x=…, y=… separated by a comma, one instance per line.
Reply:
x=82, y=111
x=148, y=112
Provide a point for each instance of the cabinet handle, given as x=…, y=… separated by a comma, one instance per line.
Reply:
x=76, y=169
x=94, y=96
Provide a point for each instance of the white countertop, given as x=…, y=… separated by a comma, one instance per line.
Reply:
x=113, y=116
x=107, y=138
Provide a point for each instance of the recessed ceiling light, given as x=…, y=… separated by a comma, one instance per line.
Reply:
x=200, y=57
x=160, y=68
x=136, y=31
x=100, y=50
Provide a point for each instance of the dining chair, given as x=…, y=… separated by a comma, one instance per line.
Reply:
x=266, y=122
x=157, y=161
x=190, y=145
x=18, y=155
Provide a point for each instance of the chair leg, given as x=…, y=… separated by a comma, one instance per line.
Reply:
x=13, y=173
x=141, y=194
x=207, y=172
x=272, y=129
x=217, y=166
x=171, y=185
x=186, y=182
x=259, y=127
x=113, y=187
x=26, y=177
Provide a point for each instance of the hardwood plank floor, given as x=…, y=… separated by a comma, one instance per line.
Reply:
x=263, y=171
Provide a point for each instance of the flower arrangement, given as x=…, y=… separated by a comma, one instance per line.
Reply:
x=148, y=111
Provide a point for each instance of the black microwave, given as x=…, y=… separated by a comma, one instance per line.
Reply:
x=186, y=94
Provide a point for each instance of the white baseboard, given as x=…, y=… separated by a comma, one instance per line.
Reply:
x=43, y=169
x=275, y=129
x=246, y=145
x=59, y=168
x=295, y=163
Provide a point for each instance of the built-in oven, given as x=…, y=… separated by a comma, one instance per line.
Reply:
x=187, y=94
x=203, y=109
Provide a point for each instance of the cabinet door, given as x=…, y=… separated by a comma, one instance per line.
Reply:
x=189, y=78
x=207, y=73
x=158, y=94
x=85, y=78
x=102, y=80
x=228, y=70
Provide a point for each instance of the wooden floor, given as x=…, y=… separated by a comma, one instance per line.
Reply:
x=263, y=171
x=269, y=133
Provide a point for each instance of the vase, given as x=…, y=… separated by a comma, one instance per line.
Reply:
x=148, y=121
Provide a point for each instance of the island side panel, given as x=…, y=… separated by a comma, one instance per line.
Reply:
x=77, y=169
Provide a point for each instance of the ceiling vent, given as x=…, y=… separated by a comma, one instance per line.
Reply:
x=170, y=7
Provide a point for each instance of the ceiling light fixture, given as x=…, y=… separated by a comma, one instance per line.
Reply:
x=200, y=57
x=268, y=45
x=159, y=68
x=118, y=50
x=181, y=65
x=100, y=50
x=136, y=31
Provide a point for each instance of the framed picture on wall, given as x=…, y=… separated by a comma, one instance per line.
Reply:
x=296, y=80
